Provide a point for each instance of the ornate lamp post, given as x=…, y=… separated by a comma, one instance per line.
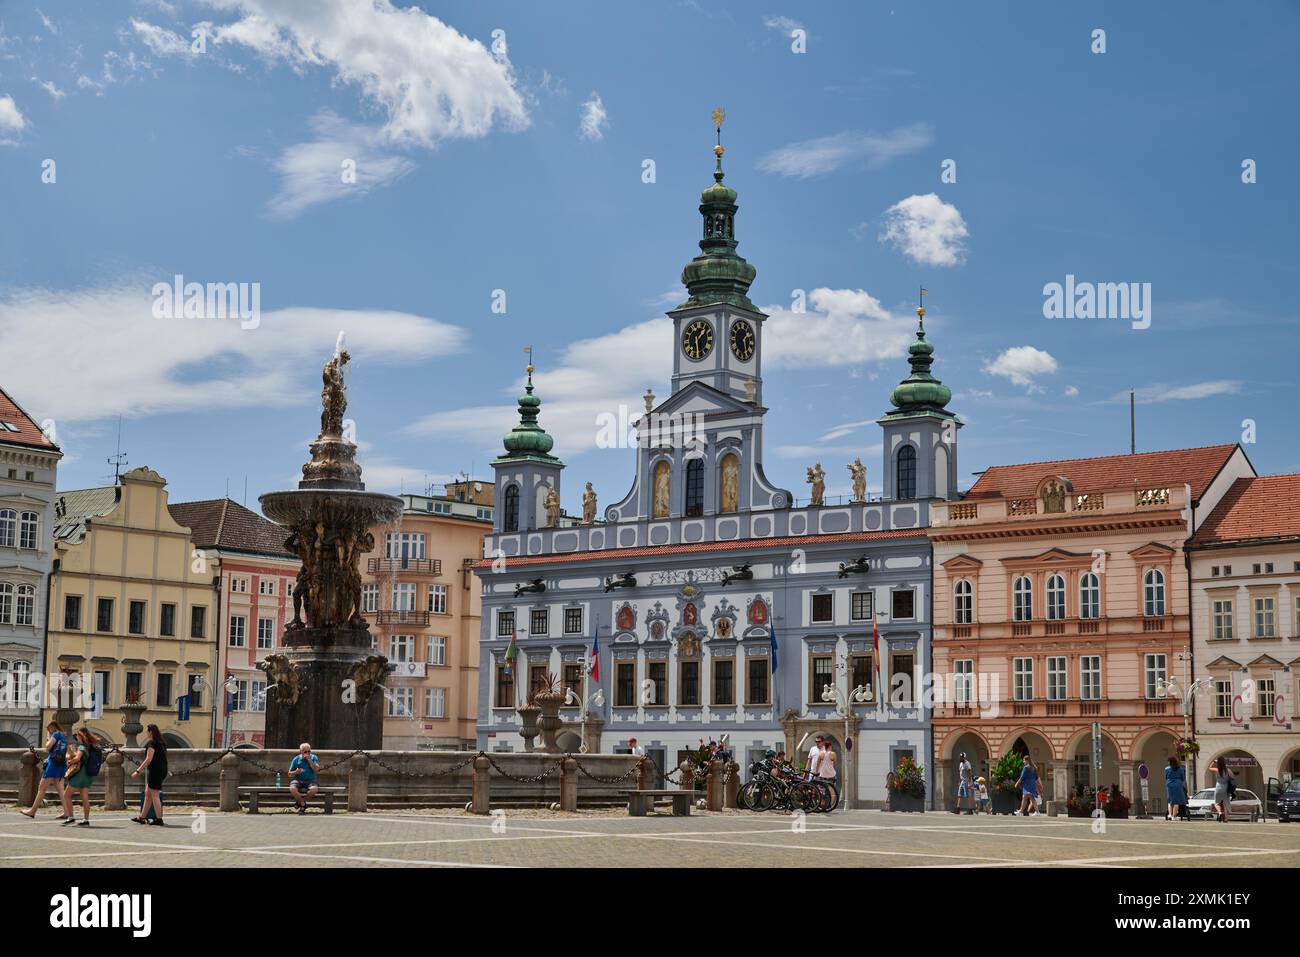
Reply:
x=1170, y=688
x=859, y=695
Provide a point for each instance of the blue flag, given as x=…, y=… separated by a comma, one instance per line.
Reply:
x=772, y=634
x=183, y=708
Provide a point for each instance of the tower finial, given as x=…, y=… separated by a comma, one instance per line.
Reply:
x=719, y=115
x=920, y=312
x=529, y=350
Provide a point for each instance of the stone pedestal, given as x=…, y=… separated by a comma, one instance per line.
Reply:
x=687, y=775
x=28, y=777
x=731, y=790
x=713, y=786
x=481, y=802
x=943, y=799
x=229, y=783
x=114, y=782
x=569, y=785
x=358, y=783
x=333, y=710
x=646, y=775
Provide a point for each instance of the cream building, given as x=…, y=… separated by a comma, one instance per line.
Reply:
x=134, y=605
x=1245, y=562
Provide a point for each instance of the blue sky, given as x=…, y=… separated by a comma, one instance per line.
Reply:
x=515, y=163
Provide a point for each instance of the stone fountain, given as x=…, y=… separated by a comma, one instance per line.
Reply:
x=327, y=686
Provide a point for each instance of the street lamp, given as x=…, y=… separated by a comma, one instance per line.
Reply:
x=1170, y=688
x=572, y=699
x=859, y=695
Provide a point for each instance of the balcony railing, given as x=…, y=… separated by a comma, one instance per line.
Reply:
x=961, y=631
x=399, y=617
x=1089, y=627
x=963, y=512
x=1151, y=497
x=419, y=566
x=1153, y=624
x=1156, y=707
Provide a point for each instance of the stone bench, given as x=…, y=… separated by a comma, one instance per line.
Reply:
x=640, y=803
x=255, y=793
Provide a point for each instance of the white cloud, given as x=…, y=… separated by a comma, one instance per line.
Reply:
x=160, y=40
x=49, y=87
x=12, y=120
x=49, y=24
x=782, y=25
x=594, y=120
x=112, y=356
x=1160, y=392
x=313, y=172
x=86, y=83
x=840, y=327
x=1071, y=392
x=829, y=153
x=926, y=230
x=1022, y=365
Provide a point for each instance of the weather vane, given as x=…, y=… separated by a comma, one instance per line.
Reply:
x=529, y=350
x=719, y=114
x=920, y=304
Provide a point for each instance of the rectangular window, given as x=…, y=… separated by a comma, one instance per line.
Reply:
x=238, y=631
x=404, y=545
x=104, y=683
x=1056, y=678
x=403, y=596
x=198, y=621
x=625, y=684
x=104, y=615
x=193, y=689
x=266, y=586
x=823, y=607
x=759, y=670
x=1223, y=619
x=862, y=675
x=904, y=604
x=539, y=621
x=438, y=599
x=401, y=702
x=435, y=651
x=239, y=700
x=1222, y=698
x=688, y=687
x=435, y=702
x=573, y=679
x=401, y=648
x=657, y=672
x=135, y=618
x=537, y=678
x=1264, y=620
x=134, y=685
x=1023, y=679
x=862, y=605
x=167, y=620
x=265, y=632
x=505, y=624
x=822, y=672
x=573, y=621
x=505, y=686
x=72, y=612
x=1266, y=696
x=724, y=683
x=902, y=679
x=258, y=702
x=238, y=585
x=369, y=598
x=1090, y=677
x=963, y=680
x=163, y=698
x=1155, y=672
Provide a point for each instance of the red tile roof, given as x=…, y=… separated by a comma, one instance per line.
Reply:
x=1265, y=507
x=1196, y=467
x=617, y=554
x=28, y=434
x=222, y=523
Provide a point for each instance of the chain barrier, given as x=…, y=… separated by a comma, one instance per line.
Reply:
x=635, y=769
x=535, y=779
x=431, y=774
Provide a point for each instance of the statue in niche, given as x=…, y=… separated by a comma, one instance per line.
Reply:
x=730, y=497
x=1054, y=497
x=552, y=504
x=662, y=487
x=817, y=479
x=588, y=505
x=859, y=472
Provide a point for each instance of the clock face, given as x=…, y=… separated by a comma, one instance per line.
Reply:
x=697, y=339
x=742, y=340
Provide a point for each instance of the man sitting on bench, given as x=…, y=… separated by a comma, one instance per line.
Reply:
x=302, y=776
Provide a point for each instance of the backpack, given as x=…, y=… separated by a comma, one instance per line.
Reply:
x=59, y=753
x=94, y=760
x=1232, y=787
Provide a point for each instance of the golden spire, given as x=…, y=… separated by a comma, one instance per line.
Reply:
x=719, y=115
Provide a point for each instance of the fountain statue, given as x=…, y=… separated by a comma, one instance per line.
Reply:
x=322, y=687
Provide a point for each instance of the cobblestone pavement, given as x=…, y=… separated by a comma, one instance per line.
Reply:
x=604, y=839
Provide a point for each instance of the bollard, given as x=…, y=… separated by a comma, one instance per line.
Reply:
x=687, y=782
x=114, y=782
x=229, y=783
x=28, y=775
x=732, y=788
x=482, y=801
x=713, y=786
x=569, y=784
x=646, y=777
x=359, y=782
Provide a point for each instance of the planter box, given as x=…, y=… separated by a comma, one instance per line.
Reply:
x=1004, y=802
x=1077, y=812
x=904, y=802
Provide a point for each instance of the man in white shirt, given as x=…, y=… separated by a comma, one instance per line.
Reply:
x=814, y=755
x=636, y=749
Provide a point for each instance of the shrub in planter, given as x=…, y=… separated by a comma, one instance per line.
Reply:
x=906, y=787
x=1005, y=774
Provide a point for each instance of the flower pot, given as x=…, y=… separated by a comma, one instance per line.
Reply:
x=528, y=729
x=550, y=721
x=900, y=801
x=1004, y=802
x=1072, y=811
x=131, y=725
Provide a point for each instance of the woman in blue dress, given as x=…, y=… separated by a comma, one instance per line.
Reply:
x=56, y=765
x=1176, y=788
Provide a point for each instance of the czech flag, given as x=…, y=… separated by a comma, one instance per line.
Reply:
x=511, y=651
x=875, y=655
x=595, y=659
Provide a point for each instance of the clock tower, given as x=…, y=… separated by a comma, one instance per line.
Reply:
x=717, y=331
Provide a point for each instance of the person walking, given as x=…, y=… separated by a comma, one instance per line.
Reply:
x=154, y=767
x=1028, y=784
x=982, y=793
x=83, y=764
x=1175, y=788
x=965, y=786
x=1224, y=785
x=302, y=774
x=56, y=765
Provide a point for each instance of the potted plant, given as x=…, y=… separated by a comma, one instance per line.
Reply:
x=1188, y=747
x=528, y=713
x=548, y=696
x=1004, y=775
x=1080, y=803
x=131, y=710
x=1117, y=805
x=906, y=787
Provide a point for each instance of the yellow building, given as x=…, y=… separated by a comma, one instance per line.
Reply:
x=133, y=604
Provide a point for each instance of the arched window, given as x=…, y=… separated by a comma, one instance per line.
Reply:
x=6, y=603
x=1153, y=594
x=510, y=520
x=1055, y=598
x=905, y=487
x=27, y=530
x=695, y=487
x=8, y=527
x=1089, y=596
x=1022, y=599
x=962, y=603
x=25, y=607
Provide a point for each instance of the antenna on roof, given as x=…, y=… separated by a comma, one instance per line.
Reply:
x=118, y=458
x=1132, y=424
x=245, y=501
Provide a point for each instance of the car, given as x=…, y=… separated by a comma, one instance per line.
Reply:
x=1288, y=801
x=1245, y=805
